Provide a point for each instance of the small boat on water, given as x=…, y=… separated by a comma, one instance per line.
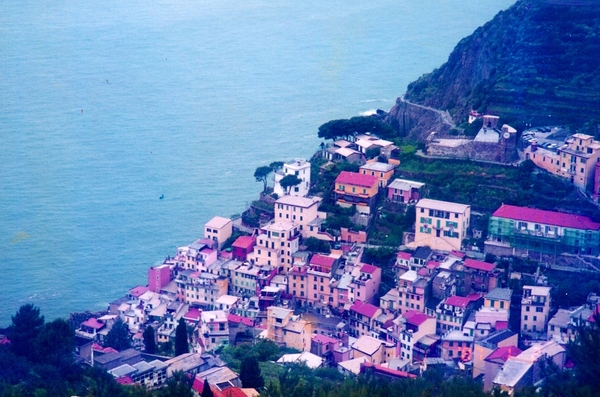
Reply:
x=162, y=196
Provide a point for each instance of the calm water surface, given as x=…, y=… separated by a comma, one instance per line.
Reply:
x=104, y=106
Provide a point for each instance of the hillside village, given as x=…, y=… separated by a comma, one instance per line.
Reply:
x=284, y=271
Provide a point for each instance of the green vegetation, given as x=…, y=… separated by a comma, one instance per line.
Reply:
x=118, y=337
x=289, y=181
x=346, y=128
x=181, y=338
x=149, y=340
x=261, y=175
x=532, y=64
x=313, y=244
x=250, y=374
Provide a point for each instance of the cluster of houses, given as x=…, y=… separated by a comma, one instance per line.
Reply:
x=445, y=308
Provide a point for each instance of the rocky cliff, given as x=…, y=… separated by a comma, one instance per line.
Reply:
x=535, y=63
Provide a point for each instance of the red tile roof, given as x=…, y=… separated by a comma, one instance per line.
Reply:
x=366, y=268
x=458, y=254
x=404, y=255
x=415, y=317
x=458, y=301
x=193, y=314
x=546, y=217
x=324, y=339
x=234, y=318
x=138, y=291
x=198, y=386
x=503, y=353
x=93, y=323
x=433, y=265
x=356, y=179
x=321, y=260
x=393, y=372
x=366, y=309
x=479, y=265
x=124, y=380
x=245, y=242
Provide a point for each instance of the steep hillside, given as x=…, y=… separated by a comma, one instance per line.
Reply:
x=536, y=62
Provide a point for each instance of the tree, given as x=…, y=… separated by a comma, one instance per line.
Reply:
x=149, y=340
x=26, y=325
x=288, y=181
x=261, y=174
x=313, y=244
x=250, y=373
x=55, y=342
x=181, y=338
x=179, y=385
x=585, y=352
x=118, y=337
x=276, y=165
x=206, y=390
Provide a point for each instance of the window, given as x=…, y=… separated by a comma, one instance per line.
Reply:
x=539, y=309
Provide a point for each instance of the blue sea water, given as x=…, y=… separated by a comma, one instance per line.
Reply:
x=105, y=106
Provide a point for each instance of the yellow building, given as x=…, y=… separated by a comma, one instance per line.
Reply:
x=356, y=189
x=284, y=328
x=383, y=171
x=441, y=225
x=535, y=309
x=218, y=229
x=275, y=245
x=575, y=160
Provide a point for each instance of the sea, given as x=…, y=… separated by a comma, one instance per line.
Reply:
x=107, y=106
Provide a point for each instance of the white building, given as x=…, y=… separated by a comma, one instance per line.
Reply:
x=298, y=167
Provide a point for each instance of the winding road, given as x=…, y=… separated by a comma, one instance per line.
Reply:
x=444, y=115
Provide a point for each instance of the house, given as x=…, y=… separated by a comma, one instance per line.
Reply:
x=412, y=291
x=286, y=329
x=485, y=346
x=361, y=317
x=300, y=211
x=365, y=283
x=575, y=160
x=453, y=312
x=301, y=169
x=148, y=374
x=158, y=277
x=407, y=330
x=319, y=276
x=494, y=362
x=356, y=189
x=455, y=344
x=535, y=309
x=518, y=230
x=276, y=244
x=404, y=191
x=218, y=229
x=441, y=225
x=242, y=246
x=200, y=288
x=214, y=329
x=347, y=154
x=528, y=368
x=383, y=171
x=376, y=351
x=311, y=360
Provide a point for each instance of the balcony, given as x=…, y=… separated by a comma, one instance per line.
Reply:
x=537, y=233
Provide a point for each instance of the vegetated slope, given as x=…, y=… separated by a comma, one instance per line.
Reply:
x=536, y=62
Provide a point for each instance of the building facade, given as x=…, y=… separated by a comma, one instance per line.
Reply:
x=441, y=225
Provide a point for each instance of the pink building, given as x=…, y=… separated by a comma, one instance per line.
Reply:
x=362, y=317
x=366, y=285
x=158, y=277
x=351, y=236
x=242, y=247
x=404, y=191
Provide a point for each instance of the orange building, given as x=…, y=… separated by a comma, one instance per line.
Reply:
x=352, y=188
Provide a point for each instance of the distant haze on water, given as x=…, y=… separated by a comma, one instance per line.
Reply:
x=106, y=106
